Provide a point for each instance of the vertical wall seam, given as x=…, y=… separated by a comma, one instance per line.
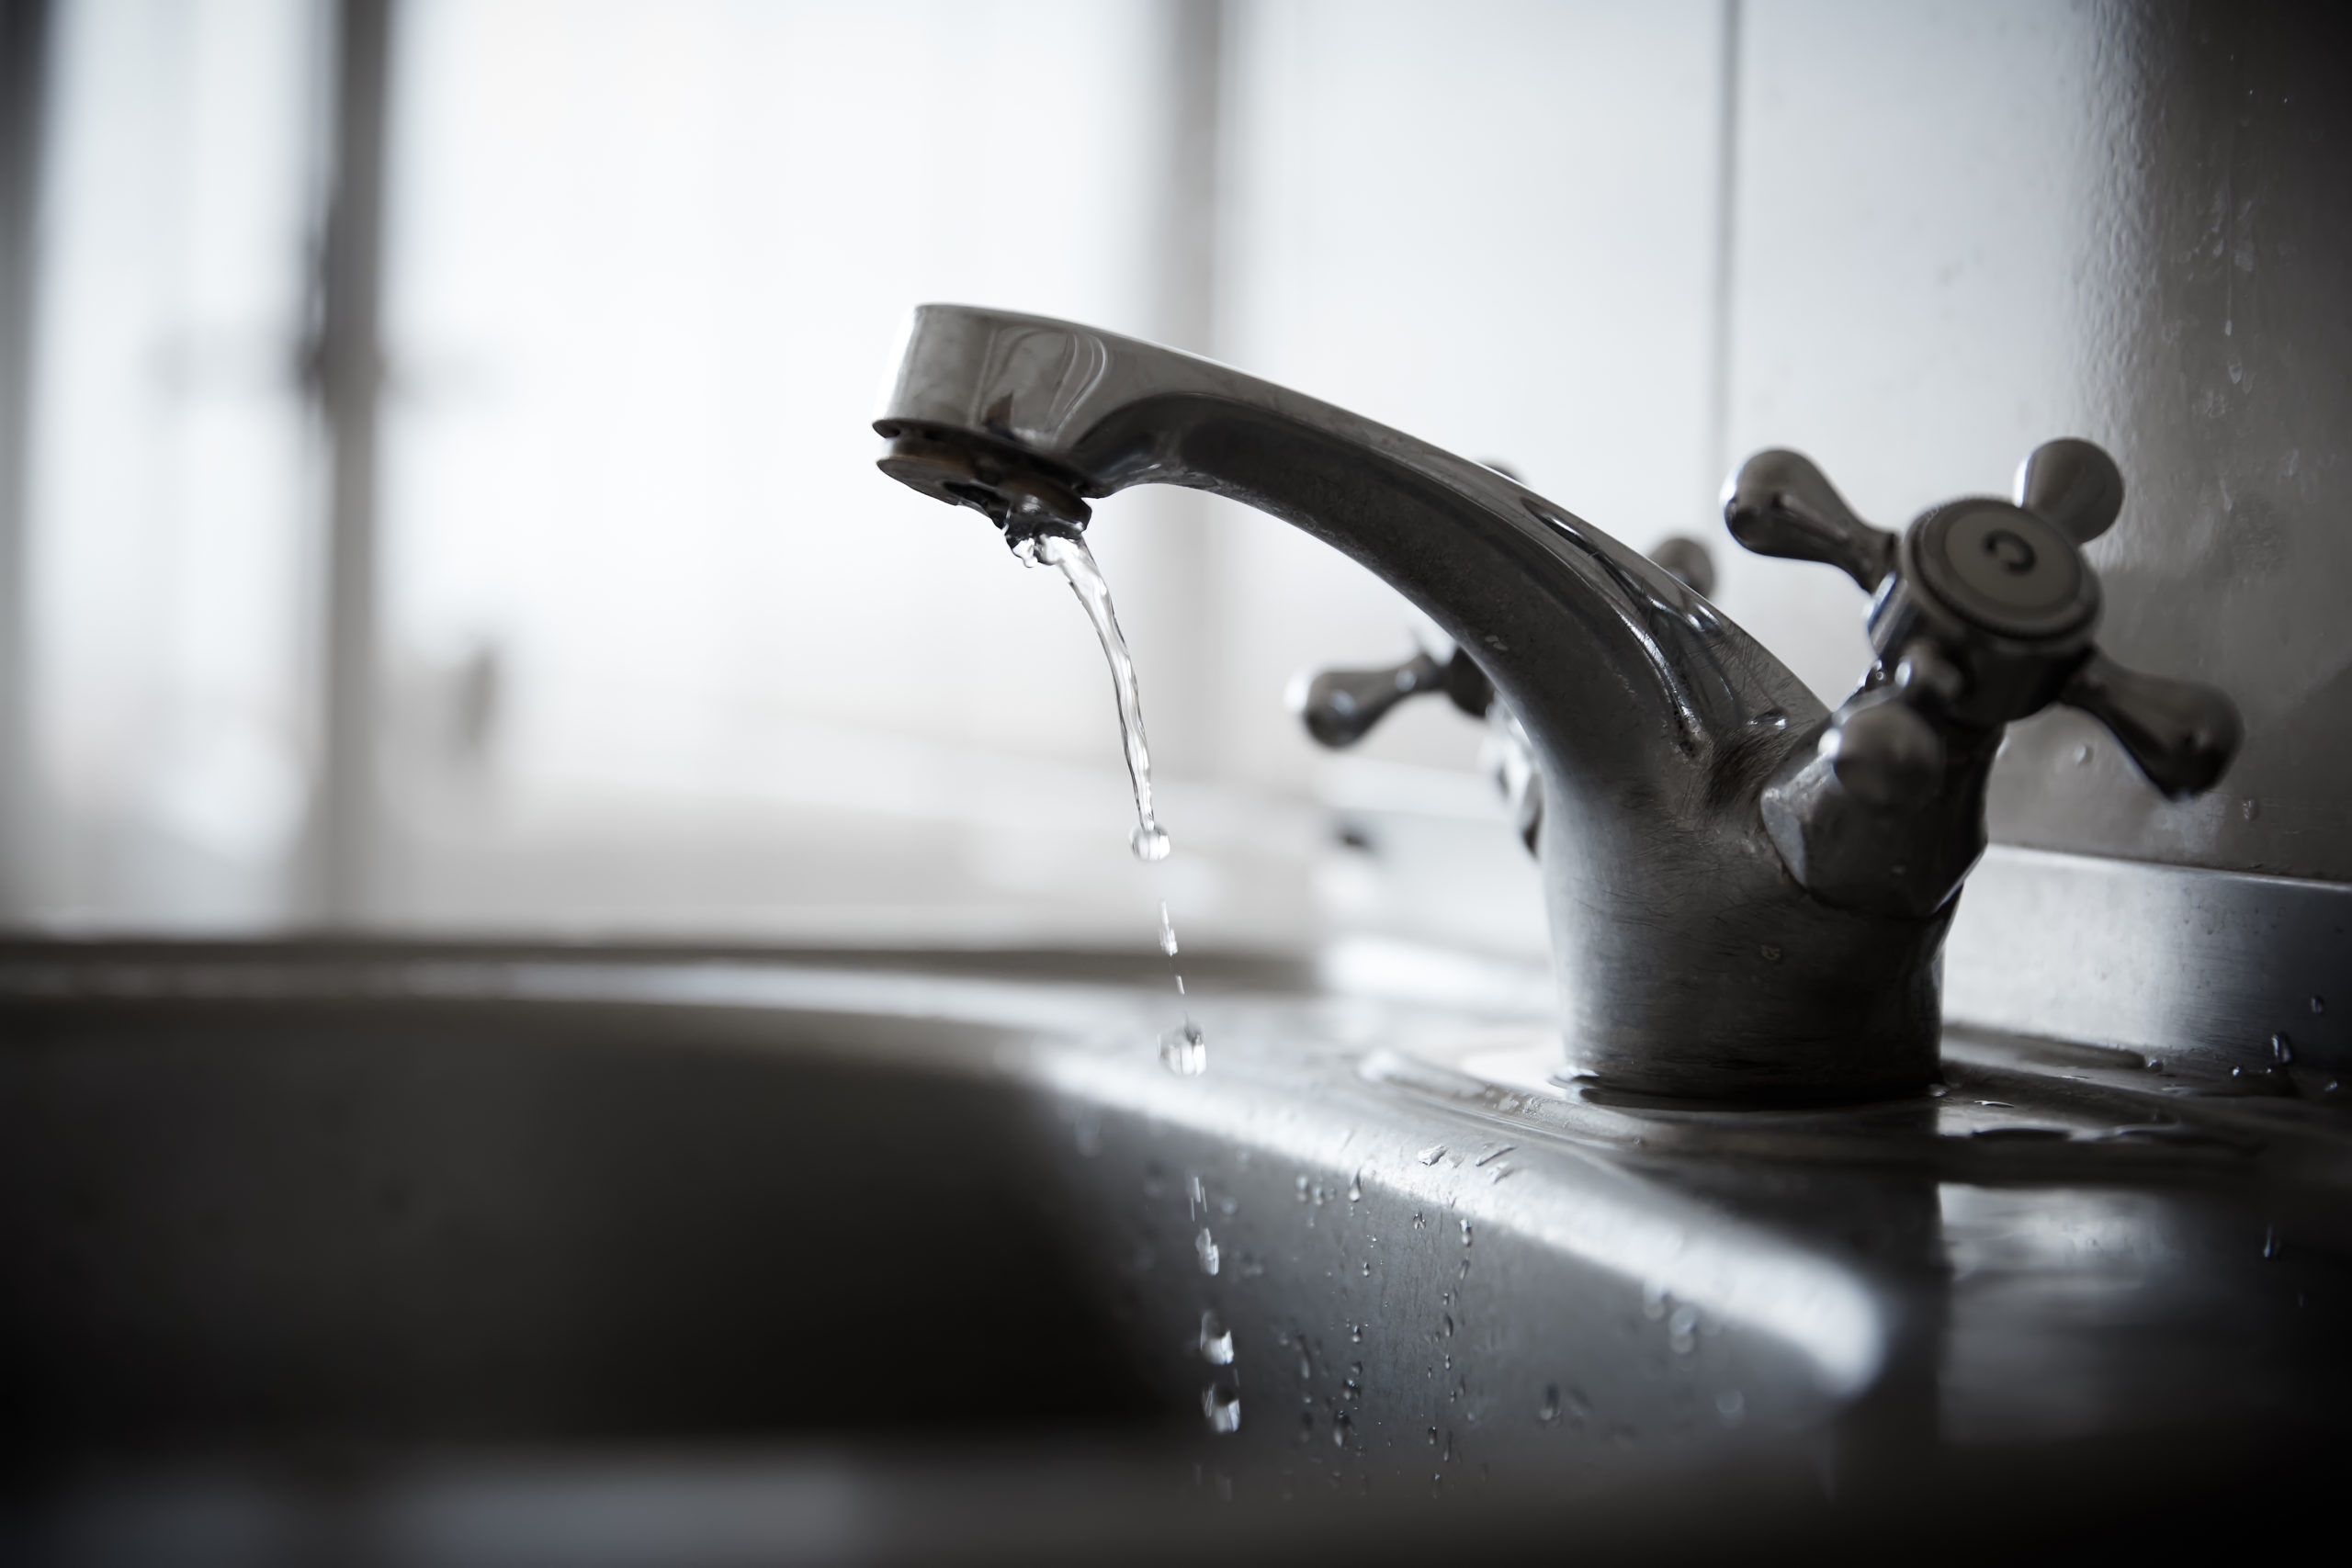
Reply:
x=1719, y=324
x=24, y=73
x=349, y=379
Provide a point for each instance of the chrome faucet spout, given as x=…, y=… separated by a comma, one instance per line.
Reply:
x=1691, y=962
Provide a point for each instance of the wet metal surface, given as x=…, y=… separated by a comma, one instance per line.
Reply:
x=464, y=1255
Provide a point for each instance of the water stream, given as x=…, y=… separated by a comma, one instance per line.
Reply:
x=1184, y=1051
x=1149, y=840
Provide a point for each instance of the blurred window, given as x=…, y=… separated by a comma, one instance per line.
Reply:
x=169, y=493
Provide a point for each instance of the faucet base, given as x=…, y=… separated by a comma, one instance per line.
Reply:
x=1774, y=999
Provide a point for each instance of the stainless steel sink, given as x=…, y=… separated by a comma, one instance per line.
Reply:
x=453, y=1255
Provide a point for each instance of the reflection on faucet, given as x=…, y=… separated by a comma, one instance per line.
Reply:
x=1340, y=707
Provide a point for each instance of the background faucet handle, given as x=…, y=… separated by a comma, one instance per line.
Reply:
x=2182, y=735
x=1779, y=504
x=1341, y=706
x=2072, y=485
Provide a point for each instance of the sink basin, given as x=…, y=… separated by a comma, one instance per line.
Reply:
x=451, y=1255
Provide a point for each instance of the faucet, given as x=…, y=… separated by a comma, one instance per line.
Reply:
x=1748, y=894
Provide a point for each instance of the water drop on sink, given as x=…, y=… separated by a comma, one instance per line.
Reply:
x=1185, y=1051
x=1431, y=1155
x=1367, y=1268
x=1682, y=1327
x=1445, y=1326
x=1221, y=1406
x=1206, y=1248
x=1355, y=1187
x=1466, y=1233
x=1731, y=1405
x=1302, y=1189
x=2283, y=1048
x=1216, y=1340
x=1355, y=1333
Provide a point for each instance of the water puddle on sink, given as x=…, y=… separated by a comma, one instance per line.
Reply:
x=1184, y=1050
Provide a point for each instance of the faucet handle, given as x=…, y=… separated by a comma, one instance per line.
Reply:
x=1779, y=504
x=2180, y=733
x=1982, y=614
x=2072, y=485
x=1341, y=706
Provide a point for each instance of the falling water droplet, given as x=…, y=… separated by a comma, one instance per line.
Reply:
x=1167, y=931
x=2283, y=1048
x=1184, y=1052
x=1221, y=1406
x=1681, y=1328
x=1216, y=1340
x=2270, y=1245
x=1206, y=1249
x=1355, y=1186
x=1550, y=1410
x=2319, y=1004
x=1731, y=1405
x=1466, y=1233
